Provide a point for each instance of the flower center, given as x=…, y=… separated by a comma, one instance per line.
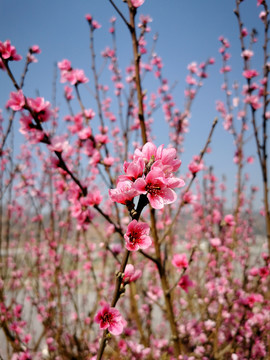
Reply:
x=107, y=318
x=152, y=189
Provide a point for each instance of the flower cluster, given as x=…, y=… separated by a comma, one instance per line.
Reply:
x=68, y=74
x=151, y=173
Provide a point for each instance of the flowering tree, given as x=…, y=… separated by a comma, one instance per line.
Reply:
x=106, y=250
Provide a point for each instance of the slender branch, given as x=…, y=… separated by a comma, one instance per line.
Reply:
x=182, y=203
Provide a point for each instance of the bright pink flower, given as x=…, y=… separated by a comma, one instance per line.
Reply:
x=133, y=170
x=88, y=17
x=185, y=283
x=264, y=272
x=16, y=101
x=244, y=32
x=155, y=186
x=41, y=108
x=229, y=220
x=35, y=49
x=180, y=261
x=137, y=3
x=252, y=299
x=251, y=73
x=111, y=319
x=8, y=51
x=137, y=236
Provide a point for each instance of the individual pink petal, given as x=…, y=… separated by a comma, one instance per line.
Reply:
x=140, y=185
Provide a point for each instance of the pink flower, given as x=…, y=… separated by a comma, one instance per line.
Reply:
x=154, y=185
x=16, y=101
x=40, y=107
x=131, y=274
x=64, y=65
x=133, y=170
x=35, y=49
x=229, y=220
x=111, y=319
x=68, y=93
x=96, y=25
x=247, y=54
x=215, y=242
x=124, y=192
x=195, y=166
x=137, y=3
x=180, y=261
x=250, y=160
x=8, y=51
x=253, y=100
x=251, y=73
x=58, y=143
x=185, y=283
x=137, y=236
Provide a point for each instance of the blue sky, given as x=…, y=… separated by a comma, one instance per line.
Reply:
x=188, y=31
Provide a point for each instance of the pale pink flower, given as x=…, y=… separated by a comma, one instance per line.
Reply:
x=137, y=3
x=192, y=67
x=262, y=15
x=16, y=101
x=58, y=143
x=131, y=274
x=195, y=166
x=108, y=161
x=95, y=24
x=247, y=54
x=111, y=319
x=68, y=93
x=89, y=113
x=253, y=100
x=137, y=236
x=180, y=261
x=215, y=242
x=124, y=192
